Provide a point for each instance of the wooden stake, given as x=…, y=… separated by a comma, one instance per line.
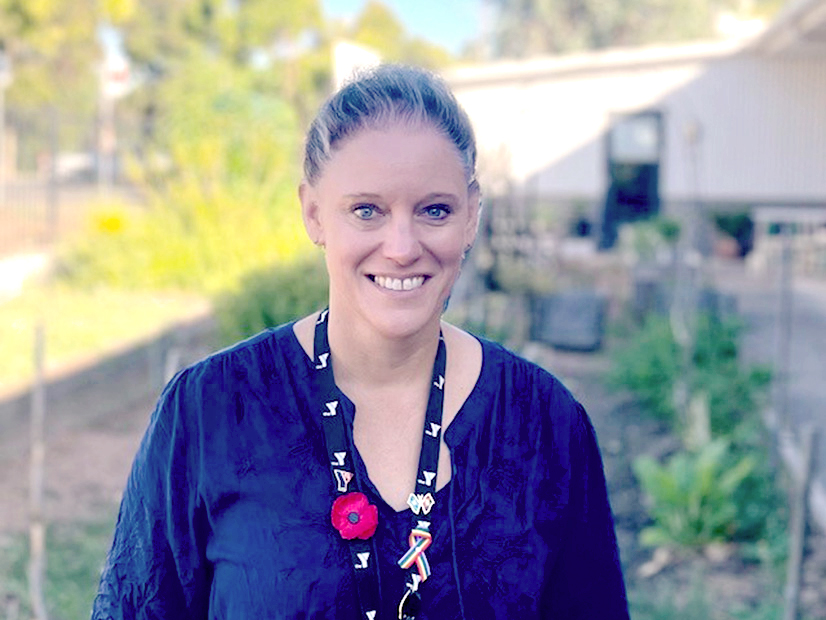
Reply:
x=37, y=530
x=797, y=537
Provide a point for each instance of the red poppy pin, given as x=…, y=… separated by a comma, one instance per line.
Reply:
x=354, y=516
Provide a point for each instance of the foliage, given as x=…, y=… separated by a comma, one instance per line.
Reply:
x=493, y=315
x=734, y=392
x=53, y=50
x=218, y=130
x=378, y=28
x=200, y=248
x=693, y=495
x=649, y=363
x=724, y=488
x=739, y=226
x=221, y=200
x=271, y=297
x=530, y=27
x=669, y=229
x=761, y=501
x=517, y=276
x=647, y=240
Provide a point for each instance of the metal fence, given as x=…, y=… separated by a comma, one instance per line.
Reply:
x=54, y=170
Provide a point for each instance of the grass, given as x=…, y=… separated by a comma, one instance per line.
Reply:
x=75, y=555
x=668, y=601
x=80, y=325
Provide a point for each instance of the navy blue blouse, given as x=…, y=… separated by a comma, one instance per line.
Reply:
x=226, y=513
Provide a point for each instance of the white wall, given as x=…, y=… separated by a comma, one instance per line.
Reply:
x=762, y=122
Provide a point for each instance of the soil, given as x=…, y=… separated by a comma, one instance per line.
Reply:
x=86, y=468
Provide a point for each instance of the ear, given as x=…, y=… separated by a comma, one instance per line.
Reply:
x=310, y=212
x=474, y=196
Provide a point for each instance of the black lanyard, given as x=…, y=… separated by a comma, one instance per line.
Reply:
x=342, y=466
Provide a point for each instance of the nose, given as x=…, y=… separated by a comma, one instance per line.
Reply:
x=401, y=241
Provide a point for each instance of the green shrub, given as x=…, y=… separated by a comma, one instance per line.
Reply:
x=694, y=495
x=735, y=393
x=221, y=203
x=649, y=362
x=272, y=296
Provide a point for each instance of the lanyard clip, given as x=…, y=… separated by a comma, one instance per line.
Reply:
x=410, y=606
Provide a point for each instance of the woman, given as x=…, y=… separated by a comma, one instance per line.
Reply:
x=371, y=460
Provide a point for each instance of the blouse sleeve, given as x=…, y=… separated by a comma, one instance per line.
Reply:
x=157, y=567
x=586, y=580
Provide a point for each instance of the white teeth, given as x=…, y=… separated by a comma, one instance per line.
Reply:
x=397, y=284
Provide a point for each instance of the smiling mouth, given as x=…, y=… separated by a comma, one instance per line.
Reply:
x=398, y=284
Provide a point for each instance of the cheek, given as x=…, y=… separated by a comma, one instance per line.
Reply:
x=449, y=248
x=343, y=256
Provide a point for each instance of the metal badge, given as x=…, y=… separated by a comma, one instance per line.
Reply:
x=410, y=606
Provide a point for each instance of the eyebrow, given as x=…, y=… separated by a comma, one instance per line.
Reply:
x=433, y=196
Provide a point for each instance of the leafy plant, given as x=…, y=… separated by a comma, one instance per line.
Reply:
x=693, y=495
x=650, y=361
x=272, y=296
x=734, y=392
x=669, y=229
x=222, y=200
x=647, y=364
x=646, y=240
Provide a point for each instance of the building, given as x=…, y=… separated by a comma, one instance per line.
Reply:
x=731, y=125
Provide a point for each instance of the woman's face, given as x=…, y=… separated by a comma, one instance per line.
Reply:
x=393, y=209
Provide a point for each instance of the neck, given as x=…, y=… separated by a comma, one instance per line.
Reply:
x=369, y=359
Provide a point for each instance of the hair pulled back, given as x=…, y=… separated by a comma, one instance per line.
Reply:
x=375, y=98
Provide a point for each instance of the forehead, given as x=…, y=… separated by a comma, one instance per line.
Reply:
x=416, y=154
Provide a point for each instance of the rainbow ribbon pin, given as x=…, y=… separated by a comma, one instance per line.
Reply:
x=420, y=540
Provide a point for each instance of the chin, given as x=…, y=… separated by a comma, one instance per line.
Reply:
x=403, y=322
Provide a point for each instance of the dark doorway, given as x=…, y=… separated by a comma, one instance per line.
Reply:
x=634, y=145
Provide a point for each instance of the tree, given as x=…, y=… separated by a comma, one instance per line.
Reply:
x=378, y=28
x=53, y=47
x=530, y=27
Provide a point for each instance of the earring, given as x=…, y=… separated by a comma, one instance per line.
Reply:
x=465, y=251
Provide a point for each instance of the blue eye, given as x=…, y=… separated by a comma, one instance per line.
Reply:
x=437, y=212
x=365, y=212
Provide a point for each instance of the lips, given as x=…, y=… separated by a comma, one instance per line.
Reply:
x=399, y=284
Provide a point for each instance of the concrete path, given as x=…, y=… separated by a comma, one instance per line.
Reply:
x=758, y=301
x=16, y=269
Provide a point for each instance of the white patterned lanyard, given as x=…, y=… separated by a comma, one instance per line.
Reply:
x=421, y=501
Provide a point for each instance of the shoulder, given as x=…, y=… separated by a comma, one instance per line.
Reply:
x=256, y=364
x=524, y=401
x=253, y=352
x=524, y=379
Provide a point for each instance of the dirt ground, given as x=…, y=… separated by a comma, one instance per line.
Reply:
x=86, y=469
